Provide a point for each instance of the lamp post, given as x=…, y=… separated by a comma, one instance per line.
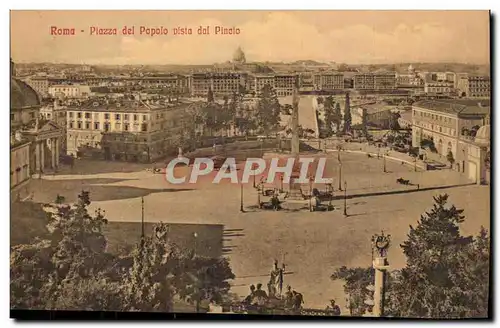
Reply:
x=254, y=181
x=310, y=194
x=345, y=198
x=415, y=164
x=340, y=176
x=258, y=199
x=385, y=169
x=241, y=198
x=281, y=181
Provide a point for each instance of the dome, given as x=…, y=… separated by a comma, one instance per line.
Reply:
x=22, y=95
x=483, y=135
x=239, y=56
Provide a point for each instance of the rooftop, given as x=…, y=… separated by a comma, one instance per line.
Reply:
x=456, y=106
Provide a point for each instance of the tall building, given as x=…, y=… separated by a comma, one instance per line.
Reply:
x=220, y=83
x=329, y=81
x=375, y=81
x=444, y=122
x=123, y=129
x=285, y=84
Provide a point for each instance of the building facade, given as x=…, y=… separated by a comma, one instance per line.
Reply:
x=221, y=84
x=77, y=91
x=35, y=142
x=329, y=81
x=439, y=87
x=443, y=123
x=128, y=130
x=474, y=86
x=375, y=81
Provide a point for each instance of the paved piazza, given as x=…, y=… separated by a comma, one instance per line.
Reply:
x=314, y=243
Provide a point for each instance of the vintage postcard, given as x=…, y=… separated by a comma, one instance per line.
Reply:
x=305, y=163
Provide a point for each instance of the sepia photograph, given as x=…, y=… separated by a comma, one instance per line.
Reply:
x=250, y=164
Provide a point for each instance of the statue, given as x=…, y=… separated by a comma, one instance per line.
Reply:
x=381, y=243
x=276, y=280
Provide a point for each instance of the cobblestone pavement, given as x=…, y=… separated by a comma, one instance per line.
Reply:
x=314, y=244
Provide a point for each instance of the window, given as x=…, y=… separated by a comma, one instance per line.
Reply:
x=106, y=127
x=71, y=114
x=144, y=127
x=79, y=125
x=106, y=116
x=79, y=115
x=117, y=117
x=87, y=115
x=70, y=125
x=136, y=117
x=126, y=127
x=87, y=126
x=125, y=117
x=96, y=126
x=144, y=118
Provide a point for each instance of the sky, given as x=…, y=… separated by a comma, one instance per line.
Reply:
x=353, y=37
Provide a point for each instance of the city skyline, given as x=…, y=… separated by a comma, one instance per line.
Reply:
x=364, y=37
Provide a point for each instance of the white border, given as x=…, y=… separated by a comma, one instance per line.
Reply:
x=190, y=4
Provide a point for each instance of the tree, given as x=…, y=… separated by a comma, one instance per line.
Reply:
x=201, y=279
x=210, y=96
x=268, y=110
x=450, y=158
x=338, y=117
x=330, y=115
x=148, y=286
x=364, y=122
x=393, y=122
x=356, y=280
x=347, y=119
x=75, y=250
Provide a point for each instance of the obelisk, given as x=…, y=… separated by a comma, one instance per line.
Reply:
x=295, y=190
x=295, y=123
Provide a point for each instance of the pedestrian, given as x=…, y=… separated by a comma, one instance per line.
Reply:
x=298, y=300
x=333, y=308
x=260, y=296
x=249, y=298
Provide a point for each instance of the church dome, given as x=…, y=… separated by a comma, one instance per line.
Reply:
x=483, y=135
x=239, y=56
x=22, y=95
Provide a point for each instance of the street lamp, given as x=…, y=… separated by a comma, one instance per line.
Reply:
x=310, y=193
x=415, y=164
x=195, y=235
x=345, y=198
x=340, y=176
x=241, y=198
x=385, y=169
x=258, y=199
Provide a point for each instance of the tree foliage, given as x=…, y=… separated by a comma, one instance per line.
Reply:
x=268, y=110
x=70, y=270
x=446, y=274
